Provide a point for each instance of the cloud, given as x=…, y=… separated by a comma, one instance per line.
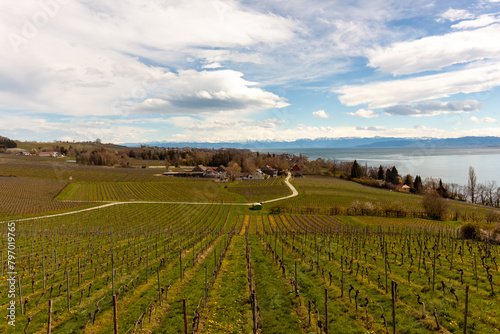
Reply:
x=38, y=128
x=433, y=108
x=437, y=52
x=212, y=65
x=192, y=92
x=364, y=113
x=455, y=15
x=483, y=120
x=320, y=114
x=475, y=78
x=100, y=58
x=244, y=133
x=369, y=128
x=481, y=21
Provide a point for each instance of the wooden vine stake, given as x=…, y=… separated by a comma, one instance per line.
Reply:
x=326, y=311
x=393, y=285
x=466, y=307
x=20, y=294
x=185, y=316
x=342, y=269
x=67, y=291
x=254, y=313
x=49, y=323
x=115, y=315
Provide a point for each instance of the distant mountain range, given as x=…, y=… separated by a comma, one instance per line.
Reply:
x=375, y=142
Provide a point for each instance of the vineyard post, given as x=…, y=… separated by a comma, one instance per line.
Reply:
x=2, y=262
x=329, y=249
x=180, y=252
x=67, y=290
x=113, y=267
x=326, y=311
x=342, y=270
x=159, y=287
x=254, y=313
x=420, y=255
x=393, y=287
x=434, y=266
x=115, y=315
x=78, y=271
x=206, y=283
x=147, y=263
x=20, y=293
x=385, y=261
x=296, y=281
x=185, y=315
x=43, y=265
x=49, y=322
x=282, y=258
x=452, y=251
x=180, y=262
x=475, y=272
x=466, y=307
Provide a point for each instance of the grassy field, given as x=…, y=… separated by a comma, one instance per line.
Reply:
x=320, y=193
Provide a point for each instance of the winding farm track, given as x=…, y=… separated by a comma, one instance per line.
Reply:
x=287, y=181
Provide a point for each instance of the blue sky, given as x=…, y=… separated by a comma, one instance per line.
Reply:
x=204, y=70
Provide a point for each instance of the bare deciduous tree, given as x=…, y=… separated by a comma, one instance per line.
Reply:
x=472, y=184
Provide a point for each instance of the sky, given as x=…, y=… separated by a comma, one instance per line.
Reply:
x=134, y=71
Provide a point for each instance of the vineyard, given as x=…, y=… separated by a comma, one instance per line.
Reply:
x=260, y=190
x=28, y=196
x=170, y=190
x=167, y=268
x=54, y=169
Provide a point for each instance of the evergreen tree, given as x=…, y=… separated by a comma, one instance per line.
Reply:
x=380, y=174
x=442, y=191
x=395, y=176
x=417, y=185
x=388, y=176
x=356, y=171
x=408, y=180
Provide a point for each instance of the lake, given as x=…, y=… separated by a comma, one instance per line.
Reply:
x=449, y=164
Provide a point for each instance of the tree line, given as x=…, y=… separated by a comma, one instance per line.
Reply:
x=7, y=143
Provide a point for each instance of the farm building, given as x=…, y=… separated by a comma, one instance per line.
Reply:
x=16, y=151
x=200, y=171
x=255, y=175
x=272, y=172
x=296, y=168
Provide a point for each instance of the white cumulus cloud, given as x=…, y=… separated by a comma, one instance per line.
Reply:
x=434, y=107
x=455, y=15
x=437, y=52
x=473, y=79
x=365, y=113
x=482, y=120
x=320, y=114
